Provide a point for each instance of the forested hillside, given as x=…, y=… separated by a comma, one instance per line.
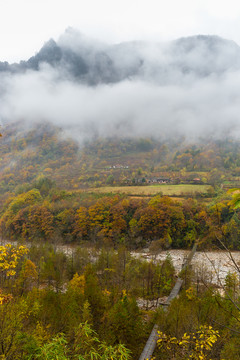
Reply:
x=46, y=150
x=50, y=189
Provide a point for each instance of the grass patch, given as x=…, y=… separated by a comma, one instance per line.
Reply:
x=169, y=190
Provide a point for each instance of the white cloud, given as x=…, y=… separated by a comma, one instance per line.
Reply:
x=204, y=107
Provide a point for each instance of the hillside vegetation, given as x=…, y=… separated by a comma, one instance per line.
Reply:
x=104, y=198
x=44, y=150
x=52, y=189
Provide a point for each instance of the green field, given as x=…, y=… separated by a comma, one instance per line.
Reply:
x=169, y=190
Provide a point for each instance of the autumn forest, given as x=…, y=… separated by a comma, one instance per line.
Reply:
x=75, y=221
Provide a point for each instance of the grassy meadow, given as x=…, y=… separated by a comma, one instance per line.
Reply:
x=151, y=190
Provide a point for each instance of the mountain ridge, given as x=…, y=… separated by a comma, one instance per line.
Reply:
x=92, y=62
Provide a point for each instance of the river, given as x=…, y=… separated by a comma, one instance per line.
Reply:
x=213, y=266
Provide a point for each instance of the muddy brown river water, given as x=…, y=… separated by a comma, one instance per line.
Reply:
x=212, y=265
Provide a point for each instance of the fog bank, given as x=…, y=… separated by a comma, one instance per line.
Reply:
x=181, y=88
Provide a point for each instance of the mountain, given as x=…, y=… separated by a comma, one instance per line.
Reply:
x=91, y=62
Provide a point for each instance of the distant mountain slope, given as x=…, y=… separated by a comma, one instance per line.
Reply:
x=44, y=150
x=92, y=62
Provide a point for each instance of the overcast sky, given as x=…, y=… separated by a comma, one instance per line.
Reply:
x=26, y=24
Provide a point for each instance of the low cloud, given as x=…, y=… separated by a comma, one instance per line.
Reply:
x=170, y=104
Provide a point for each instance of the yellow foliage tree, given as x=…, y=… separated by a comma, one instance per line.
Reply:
x=77, y=283
x=9, y=256
x=28, y=275
x=191, y=346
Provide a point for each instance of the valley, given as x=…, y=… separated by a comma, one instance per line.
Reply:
x=115, y=161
